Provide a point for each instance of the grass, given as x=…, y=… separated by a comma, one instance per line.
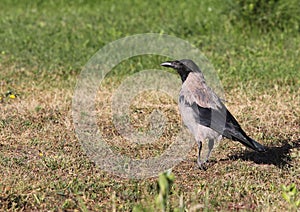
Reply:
x=43, y=48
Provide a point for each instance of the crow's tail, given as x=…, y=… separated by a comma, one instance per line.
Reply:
x=249, y=142
x=256, y=146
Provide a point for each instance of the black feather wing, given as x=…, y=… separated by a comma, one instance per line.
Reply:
x=222, y=121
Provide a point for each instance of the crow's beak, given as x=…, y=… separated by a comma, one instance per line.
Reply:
x=167, y=64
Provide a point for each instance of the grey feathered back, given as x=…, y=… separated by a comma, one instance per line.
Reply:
x=196, y=90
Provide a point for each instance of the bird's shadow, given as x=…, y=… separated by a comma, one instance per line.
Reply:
x=278, y=156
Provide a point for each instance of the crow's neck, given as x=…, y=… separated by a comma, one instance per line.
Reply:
x=183, y=75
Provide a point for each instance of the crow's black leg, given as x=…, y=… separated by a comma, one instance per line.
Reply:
x=201, y=164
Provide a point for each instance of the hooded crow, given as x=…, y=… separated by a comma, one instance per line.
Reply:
x=204, y=113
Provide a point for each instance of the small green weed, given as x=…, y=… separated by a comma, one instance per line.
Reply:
x=165, y=182
x=291, y=195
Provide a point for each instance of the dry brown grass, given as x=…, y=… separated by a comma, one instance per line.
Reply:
x=42, y=166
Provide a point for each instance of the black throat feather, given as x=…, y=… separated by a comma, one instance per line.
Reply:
x=183, y=74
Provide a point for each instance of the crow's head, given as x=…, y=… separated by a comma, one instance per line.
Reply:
x=183, y=67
